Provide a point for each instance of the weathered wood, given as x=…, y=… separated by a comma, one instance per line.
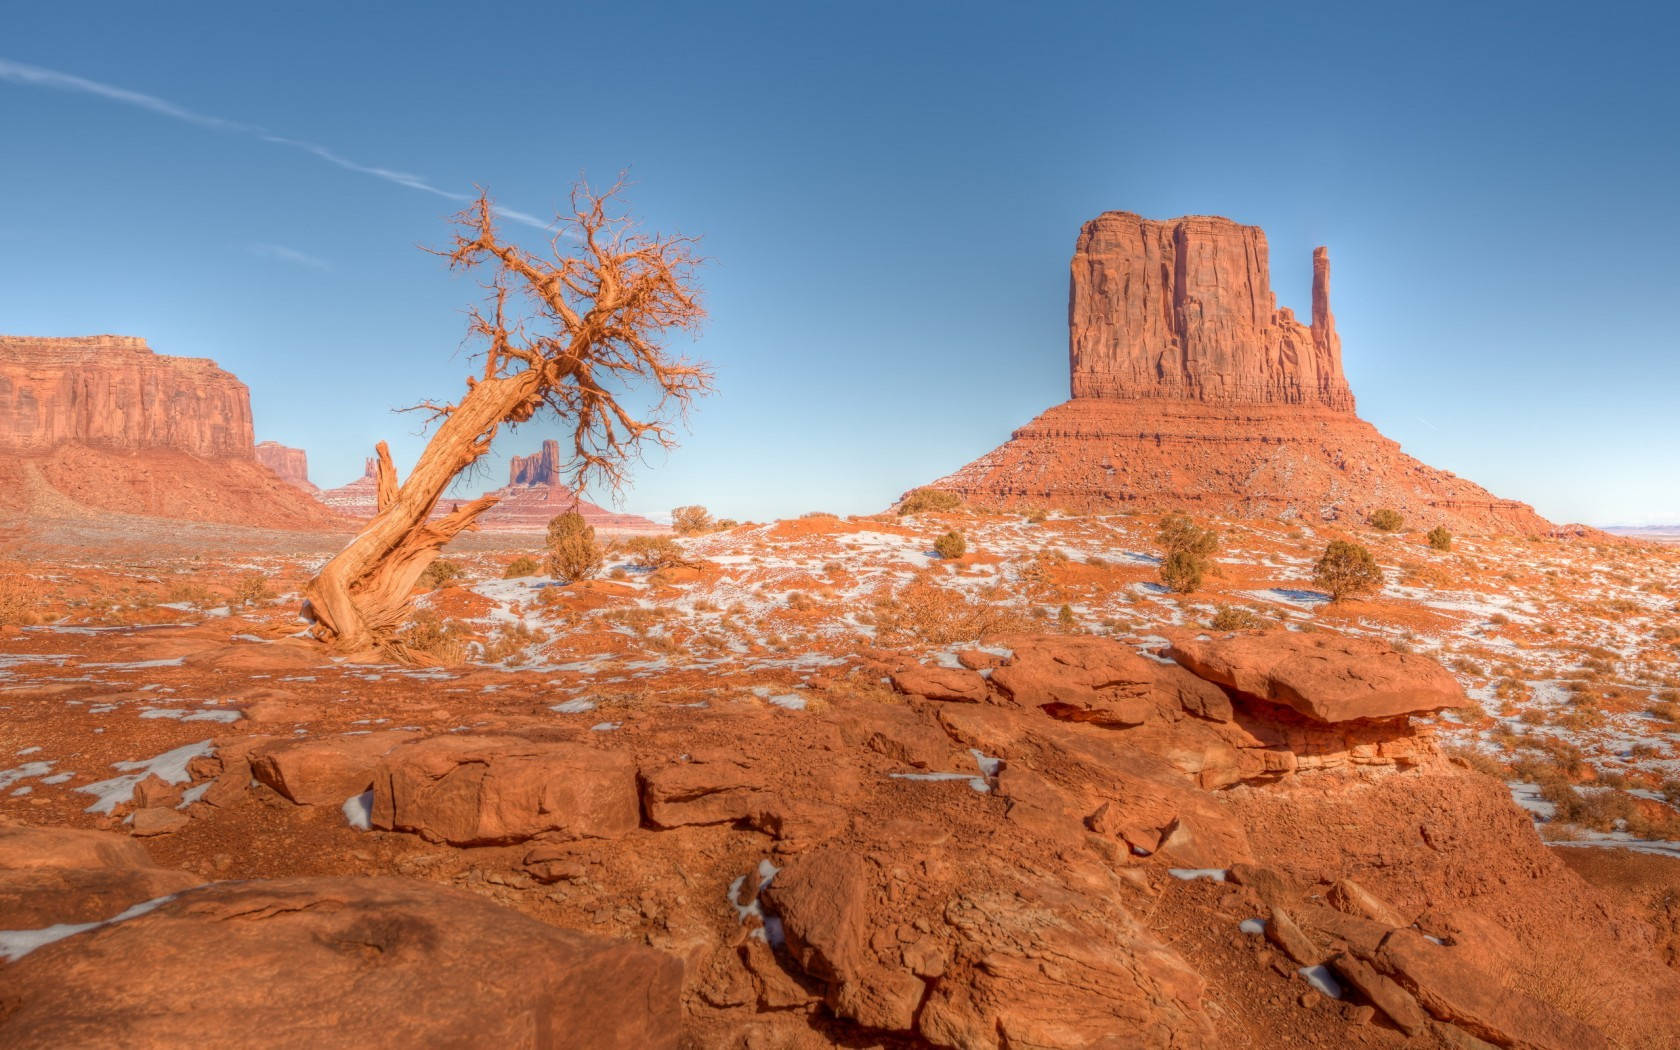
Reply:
x=599, y=315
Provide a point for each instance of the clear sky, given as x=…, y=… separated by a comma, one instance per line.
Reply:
x=889, y=195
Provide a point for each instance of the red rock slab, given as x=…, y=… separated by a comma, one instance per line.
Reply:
x=50, y=876
x=471, y=790
x=1472, y=999
x=339, y=964
x=324, y=772
x=1328, y=678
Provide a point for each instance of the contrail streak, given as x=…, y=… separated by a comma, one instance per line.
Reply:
x=18, y=73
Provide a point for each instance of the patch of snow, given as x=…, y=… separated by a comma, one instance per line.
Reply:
x=1254, y=927
x=8, y=777
x=15, y=944
x=1191, y=874
x=605, y=727
x=358, y=810
x=1322, y=979
x=184, y=715
x=573, y=707
x=171, y=767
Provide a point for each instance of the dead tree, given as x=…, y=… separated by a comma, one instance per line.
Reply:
x=568, y=337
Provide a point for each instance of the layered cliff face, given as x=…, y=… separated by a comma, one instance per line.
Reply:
x=1184, y=310
x=290, y=465
x=1193, y=390
x=112, y=392
x=101, y=424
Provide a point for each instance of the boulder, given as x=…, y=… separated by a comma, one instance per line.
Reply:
x=336, y=964
x=471, y=790
x=324, y=771
x=1080, y=679
x=941, y=683
x=708, y=786
x=52, y=876
x=1325, y=677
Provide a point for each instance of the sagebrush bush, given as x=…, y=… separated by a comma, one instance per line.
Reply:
x=1347, y=569
x=685, y=521
x=441, y=639
x=1236, y=618
x=522, y=566
x=1187, y=547
x=1182, y=571
x=1440, y=538
x=926, y=499
x=251, y=589
x=442, y=573
x=923, y=611
x=950, y=546
x=654, y=552
x=573, y=553
x=1386, y=519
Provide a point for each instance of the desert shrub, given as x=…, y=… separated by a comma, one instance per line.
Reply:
x=430, y=634
x=17, y=601
x=512, y=642
x=1440, y=538
x=1386, y=519
x=654, y=552
x=926, y=499
x=685, y=521
x=573, y=553
x=724, y=524
x=1037, y=516
x=1236, y=618
x=442, y=573
x=251, y=589
x=1065, y=618
x=1179, y=532
x=923, y=611
x=522, y=566
x=950, y=546
x=1187, y=546
x=1182, y=571
x=1347, y=569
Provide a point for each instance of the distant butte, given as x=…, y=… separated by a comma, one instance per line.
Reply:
x=1192, y=390
x=533, y=496
x=93, y=424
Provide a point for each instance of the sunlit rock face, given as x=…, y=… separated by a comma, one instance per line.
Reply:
x=1193, y=390
x=113, y=392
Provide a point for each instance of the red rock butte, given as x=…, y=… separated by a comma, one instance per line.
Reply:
x=1194, y=391
x=101, y=424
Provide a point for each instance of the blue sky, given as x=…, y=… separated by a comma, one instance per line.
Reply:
x=889, y=195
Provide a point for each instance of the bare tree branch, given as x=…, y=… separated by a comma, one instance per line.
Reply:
x=559, y=336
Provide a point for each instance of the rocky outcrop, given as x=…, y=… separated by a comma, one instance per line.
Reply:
x=113, y=392
x=320, y=964
x=1194, y=391
x=290, y=465
x=1184, y=309
x=1326, y=677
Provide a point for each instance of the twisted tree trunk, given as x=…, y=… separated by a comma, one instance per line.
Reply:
x=604, y=309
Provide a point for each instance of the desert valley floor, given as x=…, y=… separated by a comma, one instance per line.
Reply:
x=789, y=703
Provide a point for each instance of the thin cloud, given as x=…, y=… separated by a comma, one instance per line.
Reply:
x=34, y=76
x=291, y=255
